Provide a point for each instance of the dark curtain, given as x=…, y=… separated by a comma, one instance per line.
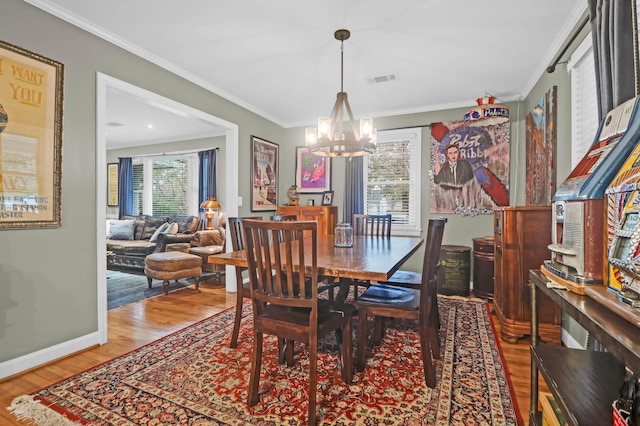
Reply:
x=207, y=175
x=125, y=187
x=612, y=33
x=354, y=191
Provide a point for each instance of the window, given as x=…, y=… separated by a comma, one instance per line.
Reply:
x=392, y=179
x=165, y=186
x=584, y=103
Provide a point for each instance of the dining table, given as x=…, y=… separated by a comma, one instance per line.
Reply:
x=371, y=258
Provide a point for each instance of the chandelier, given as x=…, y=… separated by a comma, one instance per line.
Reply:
x=331, y=138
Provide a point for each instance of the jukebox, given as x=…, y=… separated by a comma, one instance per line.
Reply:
x=623, y=230
x=579, y=247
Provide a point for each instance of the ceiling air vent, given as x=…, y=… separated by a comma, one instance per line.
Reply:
x=382, y=78
x=114, y=124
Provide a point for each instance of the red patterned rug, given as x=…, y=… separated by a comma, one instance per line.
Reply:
x=192, y=377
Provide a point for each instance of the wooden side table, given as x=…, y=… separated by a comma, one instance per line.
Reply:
x=483, y=267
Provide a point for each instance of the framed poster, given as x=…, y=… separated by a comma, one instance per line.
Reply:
x=112, y=184
x=313, y=173
x=264, y=174
x=31, y=91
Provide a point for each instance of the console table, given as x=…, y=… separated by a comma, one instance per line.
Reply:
x=584, y=383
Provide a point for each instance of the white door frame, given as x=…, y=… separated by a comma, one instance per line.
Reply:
x=231, y=178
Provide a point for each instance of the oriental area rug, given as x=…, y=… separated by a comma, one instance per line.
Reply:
x=192, y=377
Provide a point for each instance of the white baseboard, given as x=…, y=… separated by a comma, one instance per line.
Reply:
x=569, y=341
x=43, y=356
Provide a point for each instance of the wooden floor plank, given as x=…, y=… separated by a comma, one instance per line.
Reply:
x=142, y=322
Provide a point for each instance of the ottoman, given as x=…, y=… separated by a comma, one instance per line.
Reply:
x=172, y=265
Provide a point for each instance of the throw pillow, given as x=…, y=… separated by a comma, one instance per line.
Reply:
x=151, y=224
x=121, y=229
x=173, y=228
x=162, y=229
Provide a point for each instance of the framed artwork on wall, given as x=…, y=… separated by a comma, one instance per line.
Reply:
x=31, y=93
x=112, y=184
x=313, y=173
x=264, y=174
x=327, y=198
x=541, y=141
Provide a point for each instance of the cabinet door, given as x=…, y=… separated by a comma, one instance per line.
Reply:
x=326, y=216
x=315, y=213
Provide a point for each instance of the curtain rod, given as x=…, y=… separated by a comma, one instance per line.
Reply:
x=163, y=154
x=551, y=68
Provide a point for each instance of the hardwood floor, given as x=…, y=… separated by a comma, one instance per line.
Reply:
x=142, y=322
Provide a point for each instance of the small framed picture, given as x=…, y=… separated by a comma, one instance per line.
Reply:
x=327, y=198
x=112, y=184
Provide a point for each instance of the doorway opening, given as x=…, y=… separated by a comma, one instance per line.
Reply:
x=104, y=85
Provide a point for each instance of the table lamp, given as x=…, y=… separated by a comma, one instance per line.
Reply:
x=212, y=208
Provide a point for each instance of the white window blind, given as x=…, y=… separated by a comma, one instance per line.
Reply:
x=392, y=180
x=138, y=188
x=166, y=185
x=584, y=107
x=170, y=181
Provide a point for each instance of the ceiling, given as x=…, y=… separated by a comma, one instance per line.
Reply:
x=280, y=59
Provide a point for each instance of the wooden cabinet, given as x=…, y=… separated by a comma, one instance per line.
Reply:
x=327, y=216
x=584, y=383
x=483, y=267
x=521, y=237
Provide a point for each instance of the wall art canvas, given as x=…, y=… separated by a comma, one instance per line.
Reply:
x=541, y=139
x=313, y=173
x=469, y=166
x=31, y=92
x=264, y=174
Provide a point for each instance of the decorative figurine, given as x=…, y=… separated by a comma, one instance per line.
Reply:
x=293, y=195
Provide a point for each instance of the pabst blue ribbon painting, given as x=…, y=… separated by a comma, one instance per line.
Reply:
x=469, y=166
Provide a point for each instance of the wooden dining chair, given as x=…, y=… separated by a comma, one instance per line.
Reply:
x=283, y=308
x=387, y=301
x=409, y=279
x=375, y=225
x=284, y=217
x=280, y=218
x=243, y=291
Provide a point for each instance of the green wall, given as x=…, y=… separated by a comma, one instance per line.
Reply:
x=48, y=292
x=562, y=80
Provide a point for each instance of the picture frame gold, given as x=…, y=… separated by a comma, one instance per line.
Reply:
x=31, y=95
x=112, y=184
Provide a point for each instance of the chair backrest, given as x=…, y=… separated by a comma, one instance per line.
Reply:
x=278, y=272
x=285, y=217
x=376, y=225
x=237, y=233
x=281, y=218
x=428, y=286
